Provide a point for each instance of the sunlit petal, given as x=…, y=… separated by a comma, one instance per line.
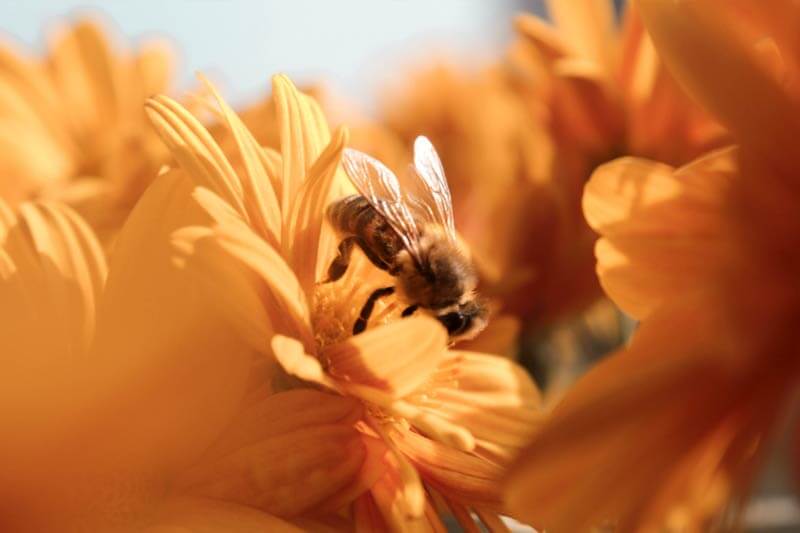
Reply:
x=176, y=386
x=304, y=134
x=396, y=358
x=306, y=224
x=663, y=228
x=260, y=198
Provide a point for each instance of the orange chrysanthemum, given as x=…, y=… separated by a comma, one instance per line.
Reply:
x=668, y=434
x=72, y=124
x=127, y=401
x=438, y=425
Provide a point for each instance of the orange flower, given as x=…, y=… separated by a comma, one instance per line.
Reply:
x=670, y=431
x=73, y=126
x=438, y=425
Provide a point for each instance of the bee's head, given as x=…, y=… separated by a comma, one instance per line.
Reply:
x=465, y=321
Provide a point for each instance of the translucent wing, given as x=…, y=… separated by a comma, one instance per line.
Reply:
x=431, y=190
x=381, y=188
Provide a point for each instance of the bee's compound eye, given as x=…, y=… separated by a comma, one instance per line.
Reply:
x=455, y=322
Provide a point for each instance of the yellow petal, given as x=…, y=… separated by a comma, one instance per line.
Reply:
x=396, y=358
x=53, y=244
x=238, y=291
x=707, y=50
x=274, y=292
x=175, y=370
x=260, y=199
x=204, y=515
x=305, y=452
x=303, y=132
x=195, y=150
x=399, y=493
x=296, y=362
x=464, y=476
x=664, y=230
x=492, y=397
x=673, y=405
x=305, y=227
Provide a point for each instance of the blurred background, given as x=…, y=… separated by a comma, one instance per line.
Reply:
x=355, y=46
x=355, y=49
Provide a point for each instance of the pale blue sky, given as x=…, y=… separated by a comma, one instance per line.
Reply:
x=357, y=46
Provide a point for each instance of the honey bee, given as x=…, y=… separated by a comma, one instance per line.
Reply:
x=408, y=230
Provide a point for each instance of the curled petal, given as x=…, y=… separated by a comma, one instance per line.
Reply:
x=489, y=396
x=397, y=358
x=673, y=405
x=648, y=213
x=464, y=476
x=296, y=362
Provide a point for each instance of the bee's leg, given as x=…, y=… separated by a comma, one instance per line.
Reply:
x=366, y=311
x=342, y=260
x=408, y=311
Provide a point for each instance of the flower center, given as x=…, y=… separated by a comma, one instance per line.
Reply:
x=332, y=316
x=336, y=308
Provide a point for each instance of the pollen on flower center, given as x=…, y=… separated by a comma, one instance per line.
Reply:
x=331, y=316
x=336, y=307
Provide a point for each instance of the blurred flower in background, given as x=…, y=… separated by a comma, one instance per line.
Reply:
x=72, y=125
x=706, y=257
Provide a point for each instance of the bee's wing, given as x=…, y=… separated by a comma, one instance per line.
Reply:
x=380, y=187
x=430, y=193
